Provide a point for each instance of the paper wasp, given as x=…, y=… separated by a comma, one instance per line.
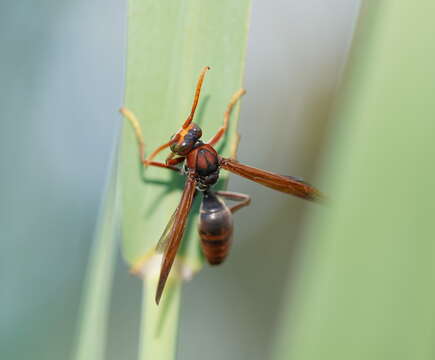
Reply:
x=201, y=167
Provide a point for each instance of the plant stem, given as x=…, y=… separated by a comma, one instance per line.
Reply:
x=159, y=324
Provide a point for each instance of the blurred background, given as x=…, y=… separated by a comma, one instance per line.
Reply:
x=62, y=75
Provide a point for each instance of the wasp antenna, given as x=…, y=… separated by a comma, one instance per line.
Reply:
x=196, y=98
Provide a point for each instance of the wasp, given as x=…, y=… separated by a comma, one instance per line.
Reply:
x=201, y=165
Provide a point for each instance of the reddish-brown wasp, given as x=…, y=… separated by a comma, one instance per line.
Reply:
x=201, y=167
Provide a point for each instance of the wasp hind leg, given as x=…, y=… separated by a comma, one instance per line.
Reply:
x=243, y=199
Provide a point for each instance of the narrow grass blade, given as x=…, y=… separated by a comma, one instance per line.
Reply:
x=98, y=284
x=169, y=42
x=366, y=290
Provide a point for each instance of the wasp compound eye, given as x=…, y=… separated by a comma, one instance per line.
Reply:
x=195, y=131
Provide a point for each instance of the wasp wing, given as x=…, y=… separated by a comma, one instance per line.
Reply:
x=164, y=239
x=171, y=238
x=285, y=184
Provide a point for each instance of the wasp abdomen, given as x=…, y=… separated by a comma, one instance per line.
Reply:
x=215, y=228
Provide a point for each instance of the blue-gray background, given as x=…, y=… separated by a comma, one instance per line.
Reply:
x=61, y=77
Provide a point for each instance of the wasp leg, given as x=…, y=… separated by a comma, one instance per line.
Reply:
x=236, y=97
x=134, y=122
x=244, y=199
x=235, y=147
x=175, y=161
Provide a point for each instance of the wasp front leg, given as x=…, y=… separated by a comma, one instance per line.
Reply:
x=134, y=122
x=222, y=130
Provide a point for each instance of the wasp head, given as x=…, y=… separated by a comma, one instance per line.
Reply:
x=186, y=139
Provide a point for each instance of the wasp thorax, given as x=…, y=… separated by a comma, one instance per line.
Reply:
x=187, y=139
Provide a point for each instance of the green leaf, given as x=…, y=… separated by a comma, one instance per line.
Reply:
x=169, y=42
x=366, y=290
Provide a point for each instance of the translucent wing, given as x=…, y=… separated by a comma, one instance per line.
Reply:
x=164, y=239
x=286, y=184
x=173, y=234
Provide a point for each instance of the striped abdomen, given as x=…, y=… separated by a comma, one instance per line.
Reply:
x=215, y=228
